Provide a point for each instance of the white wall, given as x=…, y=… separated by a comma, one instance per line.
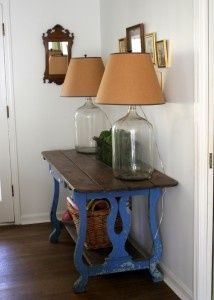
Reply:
x=44, y=120
x=173, y=122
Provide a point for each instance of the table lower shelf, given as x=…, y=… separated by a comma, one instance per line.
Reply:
x=96, y=257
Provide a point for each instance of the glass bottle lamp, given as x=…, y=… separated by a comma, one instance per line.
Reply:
x=130, y=79
x=90, y=120
x=82, y=80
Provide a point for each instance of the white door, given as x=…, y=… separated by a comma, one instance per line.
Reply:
x=210, y=245
x=6, y=198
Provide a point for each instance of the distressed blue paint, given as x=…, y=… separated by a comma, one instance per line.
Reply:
x=58, y=225
x=118, y=260
x=154, y=196
x=55, y=174
x=156, y=274
x=80, y=284
x=116, y=266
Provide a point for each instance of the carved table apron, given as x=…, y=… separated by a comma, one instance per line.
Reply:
x=88, y=178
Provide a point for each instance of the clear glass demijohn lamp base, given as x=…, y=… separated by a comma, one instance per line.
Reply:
x=90, y=120
x=132, y=145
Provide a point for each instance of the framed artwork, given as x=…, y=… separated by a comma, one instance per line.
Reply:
x=122, y=45
x=162, y=54
x=150, y=46
x=135, y=38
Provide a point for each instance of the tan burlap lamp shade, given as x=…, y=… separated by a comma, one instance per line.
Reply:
x=83, y=77
x=130, y=79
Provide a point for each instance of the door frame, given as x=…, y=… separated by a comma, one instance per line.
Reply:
x=203, y=114
x=11, y=103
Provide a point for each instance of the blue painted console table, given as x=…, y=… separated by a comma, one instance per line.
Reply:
x=88, y=178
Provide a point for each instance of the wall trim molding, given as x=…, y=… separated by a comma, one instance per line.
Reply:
x=34, y=219
x=203, y=198
x=37, y=218
x=178, y=287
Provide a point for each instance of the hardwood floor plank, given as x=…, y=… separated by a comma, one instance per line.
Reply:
x=33, y=269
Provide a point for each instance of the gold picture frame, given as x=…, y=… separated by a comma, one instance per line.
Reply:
x=150, y=45
x=122, y=45
x=162, y=53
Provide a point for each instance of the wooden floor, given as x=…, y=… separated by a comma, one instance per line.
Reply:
x=32, y=268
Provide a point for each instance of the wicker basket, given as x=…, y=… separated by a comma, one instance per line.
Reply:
x=96, y=235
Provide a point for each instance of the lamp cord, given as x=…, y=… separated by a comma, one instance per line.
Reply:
x=164, y=190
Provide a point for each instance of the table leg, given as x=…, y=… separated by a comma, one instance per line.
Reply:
x=154, y=196
x=58, y=225
x=80, y=284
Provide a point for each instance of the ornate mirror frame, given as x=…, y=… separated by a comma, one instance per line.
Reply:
x=56, y=34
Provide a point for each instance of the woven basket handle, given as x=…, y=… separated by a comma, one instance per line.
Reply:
x=93, y=208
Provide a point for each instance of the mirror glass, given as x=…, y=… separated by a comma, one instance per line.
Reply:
x=135, y=39
x=61, y=47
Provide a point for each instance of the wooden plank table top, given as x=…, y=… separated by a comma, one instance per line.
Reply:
x=85, y=173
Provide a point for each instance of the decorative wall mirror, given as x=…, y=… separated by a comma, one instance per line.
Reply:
x=58, y=44
x=135, y=38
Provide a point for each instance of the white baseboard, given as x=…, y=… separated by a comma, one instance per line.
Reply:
x=37, y=218
x=7, y=224
x=175, y=284
x=178, y=287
